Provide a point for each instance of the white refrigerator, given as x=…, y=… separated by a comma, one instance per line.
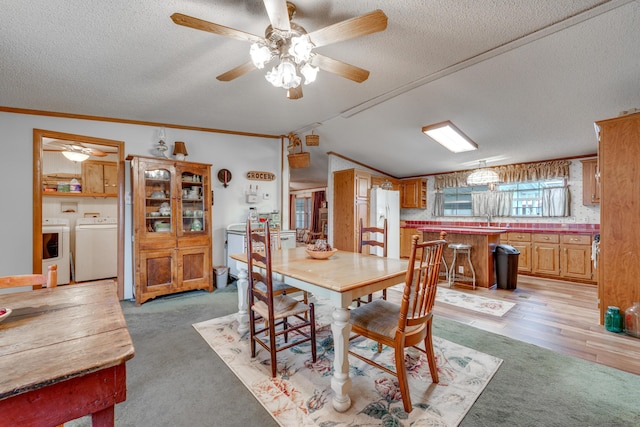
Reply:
x=386, y=204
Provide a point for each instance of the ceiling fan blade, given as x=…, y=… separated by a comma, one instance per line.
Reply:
x=340, y=68
x=236, y=72
x=199, y=24
x=295, y=93
x=369, y=23
x=95, y=152
x=278, y=12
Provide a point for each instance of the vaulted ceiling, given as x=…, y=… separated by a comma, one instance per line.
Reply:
x=524, y=79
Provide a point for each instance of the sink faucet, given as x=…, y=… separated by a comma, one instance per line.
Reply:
x=488, y=220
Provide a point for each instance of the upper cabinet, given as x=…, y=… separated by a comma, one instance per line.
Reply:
x=99, y=177
x=590, y=183
x=413, y=193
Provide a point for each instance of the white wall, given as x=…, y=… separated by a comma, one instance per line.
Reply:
x=239, y=154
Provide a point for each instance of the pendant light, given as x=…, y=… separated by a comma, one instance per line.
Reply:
x=482, y=175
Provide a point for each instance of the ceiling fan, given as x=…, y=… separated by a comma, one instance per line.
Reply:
x=289, y=43
x=73, y=147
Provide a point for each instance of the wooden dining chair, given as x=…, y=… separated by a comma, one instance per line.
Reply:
x=365, y=238
x=49, y=280
x=407, y=324
x=275, y=308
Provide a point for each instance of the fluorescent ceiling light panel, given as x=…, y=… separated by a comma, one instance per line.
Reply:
x=449, y=136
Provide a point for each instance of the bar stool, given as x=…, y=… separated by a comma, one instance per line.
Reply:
x=462, y=249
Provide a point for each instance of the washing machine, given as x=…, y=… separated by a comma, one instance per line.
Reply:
x=96, y=249
x=55, y=247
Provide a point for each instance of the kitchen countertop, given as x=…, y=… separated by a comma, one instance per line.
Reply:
x=463, y=230
x=481, y=227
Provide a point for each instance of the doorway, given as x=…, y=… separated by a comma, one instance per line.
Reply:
x=66, y=187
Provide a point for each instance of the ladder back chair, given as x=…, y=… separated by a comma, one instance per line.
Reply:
x=49, y=280
x=275, y=309
x=407, y=324
x=366, y=238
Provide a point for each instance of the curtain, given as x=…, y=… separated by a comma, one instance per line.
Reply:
x=292, y=212
x=482, y=203
x=438, y=205
x=510, y=173
x=316, y=203
x=494, y=203
x=556, y=201
x=503, y=203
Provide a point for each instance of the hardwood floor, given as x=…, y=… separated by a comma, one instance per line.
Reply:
x=554, y=314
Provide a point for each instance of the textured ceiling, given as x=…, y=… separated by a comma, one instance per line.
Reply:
x=524, y=79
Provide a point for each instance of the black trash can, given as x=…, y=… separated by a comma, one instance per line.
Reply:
x=505, y=258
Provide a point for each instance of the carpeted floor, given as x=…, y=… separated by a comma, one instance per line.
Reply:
x=176, y=380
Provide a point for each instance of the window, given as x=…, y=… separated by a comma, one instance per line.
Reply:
x=527, y=196
x=303, y=212
x=457, y=200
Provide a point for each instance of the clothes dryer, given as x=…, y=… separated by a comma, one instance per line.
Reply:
x=55, y=247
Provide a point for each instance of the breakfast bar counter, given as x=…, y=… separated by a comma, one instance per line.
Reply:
x=483, y=241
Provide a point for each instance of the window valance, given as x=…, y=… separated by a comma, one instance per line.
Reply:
x=510, y=173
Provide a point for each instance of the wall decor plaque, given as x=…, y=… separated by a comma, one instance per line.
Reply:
x=261, y=176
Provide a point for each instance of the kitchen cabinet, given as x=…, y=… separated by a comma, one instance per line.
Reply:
x=575, y=253
x=379, y=180
x=99, y=177
x=405, y=240
x=522, y=242
x=350, y=204
x=590, y=183
x=171, y=226
x=618, y=158
x=413, y=193
x=545, y=254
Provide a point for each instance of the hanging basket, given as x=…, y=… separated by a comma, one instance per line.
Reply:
x=312, y=140
x=299, y=160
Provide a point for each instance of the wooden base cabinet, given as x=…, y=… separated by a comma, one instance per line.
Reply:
x=405, y=240
x=575, y=253
x=545, y=254
x=522, y=242
x=171, y=226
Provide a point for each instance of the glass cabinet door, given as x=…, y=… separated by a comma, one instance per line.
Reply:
x=158, y=201
x=192, y=202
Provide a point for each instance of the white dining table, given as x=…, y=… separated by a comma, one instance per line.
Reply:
x=339, y=279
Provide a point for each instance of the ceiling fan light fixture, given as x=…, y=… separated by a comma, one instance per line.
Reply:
x=260, y=55
x=75, y=156
x=309, y=73
x=449, y=136
x=284, y=75
x=300, y=48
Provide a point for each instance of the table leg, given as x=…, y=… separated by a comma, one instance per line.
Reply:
x=243, y=288
x=341, y=383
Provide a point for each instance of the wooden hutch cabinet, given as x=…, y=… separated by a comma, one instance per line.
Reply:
x=618, y=267
x=350, y=203
x=171, y=226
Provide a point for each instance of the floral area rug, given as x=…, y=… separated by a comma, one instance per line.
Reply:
x=301, y=393
x=485, y=305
